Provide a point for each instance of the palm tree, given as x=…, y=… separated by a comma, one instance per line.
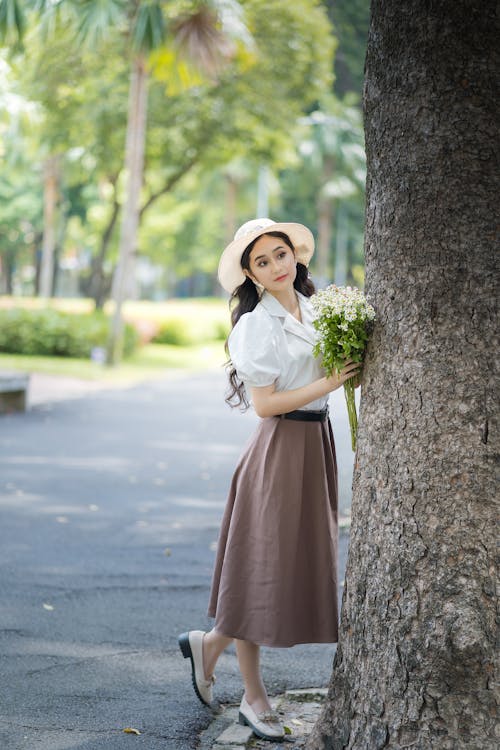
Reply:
x=146, y=29
x=198, y=35
x=12, y=22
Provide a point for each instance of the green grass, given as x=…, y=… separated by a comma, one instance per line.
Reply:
x=150, y=361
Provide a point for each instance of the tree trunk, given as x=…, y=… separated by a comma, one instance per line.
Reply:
x=97, y=284
x=50, y=179
x=7, y=273
x=414, y=663
x=325, y=208
x=37, y=261
x=134, y=165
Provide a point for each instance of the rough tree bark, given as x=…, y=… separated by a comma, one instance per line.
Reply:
x=414, y=664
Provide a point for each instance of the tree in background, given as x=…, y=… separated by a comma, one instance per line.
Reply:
x=415, y=660
x=43, y=75
x=21, y=224
x=197, y=31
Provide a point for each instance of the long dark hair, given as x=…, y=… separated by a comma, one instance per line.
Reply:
x=244, y=299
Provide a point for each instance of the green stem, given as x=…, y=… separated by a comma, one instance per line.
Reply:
x=351, y=409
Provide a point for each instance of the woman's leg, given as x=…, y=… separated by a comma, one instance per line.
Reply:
x=213, y=645
x=249, y=661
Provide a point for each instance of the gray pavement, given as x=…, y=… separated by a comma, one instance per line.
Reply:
x=110, y=502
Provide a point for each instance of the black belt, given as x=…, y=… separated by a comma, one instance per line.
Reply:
x=303, y=415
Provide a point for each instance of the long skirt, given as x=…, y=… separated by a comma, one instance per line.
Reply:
x=275, y=576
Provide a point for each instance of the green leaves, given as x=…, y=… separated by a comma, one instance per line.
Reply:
x=96, y=19
x=12, y=22
x=50, y=332
x=149, y=29
x=342, y=318
x=275, y=61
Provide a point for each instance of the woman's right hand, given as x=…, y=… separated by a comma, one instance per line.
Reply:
x=268, y=402
x=348, y=371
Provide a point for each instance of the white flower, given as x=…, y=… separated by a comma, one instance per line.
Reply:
x=346, y=302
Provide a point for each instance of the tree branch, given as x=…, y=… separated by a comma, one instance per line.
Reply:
x=169, y=184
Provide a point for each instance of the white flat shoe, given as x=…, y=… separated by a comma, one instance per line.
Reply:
x=191, y=645
x=265, y=725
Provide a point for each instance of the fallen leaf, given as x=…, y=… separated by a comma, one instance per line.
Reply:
x=287, y=730
x=48, y=607
x=297, y=722
x=131, y=730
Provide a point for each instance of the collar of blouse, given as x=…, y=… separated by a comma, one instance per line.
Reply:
x=304, y=330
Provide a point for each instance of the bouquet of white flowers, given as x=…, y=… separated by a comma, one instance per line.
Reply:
x=342, y=319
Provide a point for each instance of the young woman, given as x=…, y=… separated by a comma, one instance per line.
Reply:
x=275, y=577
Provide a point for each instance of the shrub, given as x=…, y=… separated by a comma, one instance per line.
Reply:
x=188, y=332
x=53, y=333
x=175, y=332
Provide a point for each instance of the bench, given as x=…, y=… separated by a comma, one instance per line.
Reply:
x=13, y=391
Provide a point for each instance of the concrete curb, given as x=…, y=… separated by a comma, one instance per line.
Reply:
x=299, y=710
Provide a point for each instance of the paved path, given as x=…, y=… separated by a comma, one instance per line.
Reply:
x=110, y=503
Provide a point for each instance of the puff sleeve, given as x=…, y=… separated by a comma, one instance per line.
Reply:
x=254, y=349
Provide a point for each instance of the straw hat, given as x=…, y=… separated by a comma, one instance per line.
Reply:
x=230, y=272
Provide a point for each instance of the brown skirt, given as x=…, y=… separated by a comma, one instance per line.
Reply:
x=275, y=577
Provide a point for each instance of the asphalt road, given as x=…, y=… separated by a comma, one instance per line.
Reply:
x=109, y=509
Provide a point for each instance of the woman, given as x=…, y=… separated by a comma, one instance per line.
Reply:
x=275, y=577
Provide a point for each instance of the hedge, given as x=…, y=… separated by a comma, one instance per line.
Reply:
x=180, y=332
x=53, y=333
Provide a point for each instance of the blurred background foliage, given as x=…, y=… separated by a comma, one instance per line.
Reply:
x=275, y=130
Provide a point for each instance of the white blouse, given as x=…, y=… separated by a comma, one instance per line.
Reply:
x=269, y=345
